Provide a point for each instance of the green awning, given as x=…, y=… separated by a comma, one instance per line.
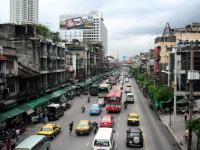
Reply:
x=2, y=119
x=26, y=108
x=11, y=113
x=40, y=101
x=59, y=93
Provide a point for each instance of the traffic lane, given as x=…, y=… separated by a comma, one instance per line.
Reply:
x=156, y=134
x=122, y=127
x=64, y=140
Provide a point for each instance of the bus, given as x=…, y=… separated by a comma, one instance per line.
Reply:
x=103, y=90
x=55, y=111
x=114, y=101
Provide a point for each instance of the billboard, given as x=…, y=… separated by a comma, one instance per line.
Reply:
x=80, y=22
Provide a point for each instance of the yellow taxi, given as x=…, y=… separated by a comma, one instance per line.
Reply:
x=50, y=130
x=133, y=119
x=84, y=127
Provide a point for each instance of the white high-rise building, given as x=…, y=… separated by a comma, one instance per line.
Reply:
x=95, y=34
x=24, y=11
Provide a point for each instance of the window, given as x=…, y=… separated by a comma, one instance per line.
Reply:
x=101, y=143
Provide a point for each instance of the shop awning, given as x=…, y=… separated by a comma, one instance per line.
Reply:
x=11, y=113
x=59, y=93
x=39, y=101
x=26, y=108
x=2, y=119
x=3, y=58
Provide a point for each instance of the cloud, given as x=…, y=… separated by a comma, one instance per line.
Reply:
x=132, y=25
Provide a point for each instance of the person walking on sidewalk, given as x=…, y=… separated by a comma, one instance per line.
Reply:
x=185, y=116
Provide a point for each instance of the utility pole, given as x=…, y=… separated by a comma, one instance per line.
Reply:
x=191, y=96
x=175, y=88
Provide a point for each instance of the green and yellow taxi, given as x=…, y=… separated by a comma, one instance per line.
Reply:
x=50, y=130
x=133, y=119
x=84, y=127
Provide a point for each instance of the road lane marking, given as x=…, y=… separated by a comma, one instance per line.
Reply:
x=117, y=133
x=119, y=118
x=118, y=124
x=87, y=143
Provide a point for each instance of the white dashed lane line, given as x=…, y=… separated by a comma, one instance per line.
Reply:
x=87, y=143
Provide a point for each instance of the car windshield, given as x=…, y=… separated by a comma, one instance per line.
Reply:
x=83, y=124
x=130, y=96
x=100, y=100
x=134, y=134
x=47, y=129
x=101, y=143
x=105, y=119
x=134, y=117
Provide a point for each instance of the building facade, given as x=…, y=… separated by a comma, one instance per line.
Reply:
x=41, y=63
x=95, y=33
x=24, y=11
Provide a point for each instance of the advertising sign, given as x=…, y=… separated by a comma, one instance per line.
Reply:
x=80, y=22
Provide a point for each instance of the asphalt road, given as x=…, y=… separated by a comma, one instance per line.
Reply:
x=156, y=136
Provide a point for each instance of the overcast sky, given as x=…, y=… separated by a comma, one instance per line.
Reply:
x=132, y=24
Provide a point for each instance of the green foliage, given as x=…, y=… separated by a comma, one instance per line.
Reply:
x=163, y=93
x=194, y=125
x=47, y=33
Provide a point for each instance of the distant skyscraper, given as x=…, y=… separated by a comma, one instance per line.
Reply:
x=93, y=31
x=24, y=11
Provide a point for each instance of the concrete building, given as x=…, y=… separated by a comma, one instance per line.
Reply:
x=169, y=39
x=95, y=33
x=24, y=11
x=8, y=76
x=41, y=63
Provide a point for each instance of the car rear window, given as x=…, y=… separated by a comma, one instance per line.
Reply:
x=130, y=96
x=101, y=143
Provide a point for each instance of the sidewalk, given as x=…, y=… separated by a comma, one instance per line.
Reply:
x=179, y=131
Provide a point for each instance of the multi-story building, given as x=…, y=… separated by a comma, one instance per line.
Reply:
x=41, y=63
x=168, y=40
x=96, y=33
x=8, y=76
x=24, y=11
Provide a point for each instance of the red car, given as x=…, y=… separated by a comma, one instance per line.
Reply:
x=107, y=121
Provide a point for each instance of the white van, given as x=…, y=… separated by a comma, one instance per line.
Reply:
x=130, y=97
x=34, y=142
x=103, y=139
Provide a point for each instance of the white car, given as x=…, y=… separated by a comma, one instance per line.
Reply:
x=130, y=97
x=128, y=90
x=101, y=102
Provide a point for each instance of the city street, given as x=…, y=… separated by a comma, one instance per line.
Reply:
x=156, y=136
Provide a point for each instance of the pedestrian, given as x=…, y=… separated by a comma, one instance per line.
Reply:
x=186, y=135
x=185, y=116
x=13, y=143
x=17, y=131
x=8, y=143
x=88, y=100
x=125, y=104
x=71, y=127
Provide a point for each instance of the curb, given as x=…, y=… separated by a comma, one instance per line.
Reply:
x=178, y=143
x=170, y=131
